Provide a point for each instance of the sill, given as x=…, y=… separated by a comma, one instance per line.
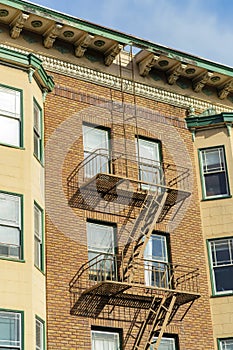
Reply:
x=12, y=146
x=12, y=259
x=38, y=160
x=216, y=198
x=40, y=270
x=220, y=295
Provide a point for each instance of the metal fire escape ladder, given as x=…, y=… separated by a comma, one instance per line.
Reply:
x=160, y=313
x=143, y=228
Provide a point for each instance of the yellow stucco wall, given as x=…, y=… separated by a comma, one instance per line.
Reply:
x=22, y=284
x=217, y=221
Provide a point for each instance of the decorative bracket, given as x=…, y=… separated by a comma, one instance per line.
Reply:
x=44, y=94
x=31, y=72
x=146, y=64
x=111, y=54
x=174, y=73
x=201, y=80
x=225, y=90
x=17, y=25
x=51, y=35
x=82, y=44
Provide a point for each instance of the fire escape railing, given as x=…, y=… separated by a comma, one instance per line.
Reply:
x=146, y=273
x=141, y=171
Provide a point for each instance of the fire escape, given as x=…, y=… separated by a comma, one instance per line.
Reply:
x=103, y=182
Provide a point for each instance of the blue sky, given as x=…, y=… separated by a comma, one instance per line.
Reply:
x=201, y=27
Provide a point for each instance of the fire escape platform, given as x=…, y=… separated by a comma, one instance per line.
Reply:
x=92, y=300
x=124, y=190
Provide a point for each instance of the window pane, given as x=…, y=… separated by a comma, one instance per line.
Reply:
x=39, y=335
x=223, y=278
x=9, y=329
x=226, y=344
x=100, y=238
x=166, y=344
x=94, y=138
x=216, y=184
x=105, y=341
x=10, y=102
x=9, y=131
x=9, y=209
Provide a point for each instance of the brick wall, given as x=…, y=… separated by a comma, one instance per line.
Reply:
x=67, y=107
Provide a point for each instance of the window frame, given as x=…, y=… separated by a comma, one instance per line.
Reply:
x=20, y=118
x=21, y=329
x=169, y=336
x=166, y=262
x=40, y=266
x=211, y=267
x=108, y=153
x=43, y=343
x=39, y=134
x=202, y=175
x=108, y=330
x=146, y=164
x=219, y=340
x=113, y=254
x=20, y=228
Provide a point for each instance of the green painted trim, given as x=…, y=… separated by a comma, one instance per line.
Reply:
x=21, y=323
x=216, y=198
x=21, y=122
x=28, y=61
x=210, y=267
x=215, y=294
x=219, y=342
x=42, y=269
x=21, y=196
x=41, y=158
x=13, y=260
x=204, y=198
x=117, y=36
x=44, y=328
x=209, y=120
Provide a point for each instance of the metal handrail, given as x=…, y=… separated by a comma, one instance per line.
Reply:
x=113, y=157
x=147, y=273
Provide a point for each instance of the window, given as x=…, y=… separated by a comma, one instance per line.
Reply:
x=101, y=251
x=39, y=334
x=226, y=344
x=222, y=264
x=214, y=173
x=96, y=150
x=148, y=152
x=105, y=340
x=10, y=226
x=38, y=237
x=166, y=344
x=156, y=261
x=10, y=116
x=37, y=131
x=10, y=330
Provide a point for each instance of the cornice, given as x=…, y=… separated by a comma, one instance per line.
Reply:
x=213, y=120
x=28, y=62
x=105, y=79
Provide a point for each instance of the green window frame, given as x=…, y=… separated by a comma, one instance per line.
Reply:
x=38, y=237
x=221, y=265
x=37, y=131
x=11, y=330
x=214, y=176
x=11, y=226
x=225, y=344
x=11, y=115
x=40, y=334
